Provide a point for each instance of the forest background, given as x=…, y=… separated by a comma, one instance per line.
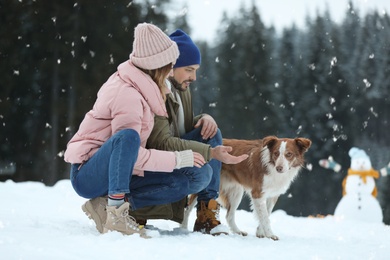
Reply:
x=328, y=82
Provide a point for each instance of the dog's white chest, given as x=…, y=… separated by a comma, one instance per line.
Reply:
x=276, y=183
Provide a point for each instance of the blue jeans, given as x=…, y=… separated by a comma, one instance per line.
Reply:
x=212, y=190
x=109, y=171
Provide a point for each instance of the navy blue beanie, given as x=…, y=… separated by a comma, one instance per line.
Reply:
x=189, y=52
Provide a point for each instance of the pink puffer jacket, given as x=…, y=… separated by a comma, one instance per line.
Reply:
x=129, y=99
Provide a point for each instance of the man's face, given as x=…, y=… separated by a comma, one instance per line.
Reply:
x=184, y=76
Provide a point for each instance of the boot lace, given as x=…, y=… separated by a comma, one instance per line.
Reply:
x=130, y=221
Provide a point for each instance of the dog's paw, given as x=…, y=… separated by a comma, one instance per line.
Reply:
x=241, y=233
x=273, y=237
x=261, y=234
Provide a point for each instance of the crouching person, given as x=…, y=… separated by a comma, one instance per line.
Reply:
x=109, y=162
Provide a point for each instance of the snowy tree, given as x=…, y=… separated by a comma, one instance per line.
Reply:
x=55, y=57
x=243, y=57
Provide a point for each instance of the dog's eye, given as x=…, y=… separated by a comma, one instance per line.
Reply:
x=276, y=154
x=288, y=155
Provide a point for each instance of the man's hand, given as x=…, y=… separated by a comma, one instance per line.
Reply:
x=221, y=153
x=209, y=127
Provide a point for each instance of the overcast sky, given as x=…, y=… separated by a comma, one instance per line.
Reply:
x=204, y=15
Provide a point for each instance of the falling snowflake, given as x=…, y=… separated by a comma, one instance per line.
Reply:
x=299, y=130
x=312, y=66
x=333, y=62
x=183, y=12
x=367, y=83
x=373, y=112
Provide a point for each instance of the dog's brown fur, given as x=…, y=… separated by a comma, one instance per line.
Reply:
x=264, y=176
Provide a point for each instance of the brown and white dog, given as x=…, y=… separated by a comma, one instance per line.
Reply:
x=272, y=165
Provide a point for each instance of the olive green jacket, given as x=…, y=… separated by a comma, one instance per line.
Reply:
x=165, y=136
x=165, y=133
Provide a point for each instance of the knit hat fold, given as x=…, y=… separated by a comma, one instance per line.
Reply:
x=152, y=48
x=189, y=52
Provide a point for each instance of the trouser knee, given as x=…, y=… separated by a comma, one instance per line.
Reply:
x=128, y=136
x=201, y=179
x=216, y=140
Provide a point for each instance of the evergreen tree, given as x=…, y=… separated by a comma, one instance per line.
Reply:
x=57, y=56
x=289, y=78
x=351, y=42
x=180, y=21
x=244, y=76
x=205, y=91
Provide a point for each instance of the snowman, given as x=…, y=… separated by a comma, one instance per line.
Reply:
x=359, y=190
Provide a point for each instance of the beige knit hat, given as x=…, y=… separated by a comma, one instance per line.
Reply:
x=152, y=48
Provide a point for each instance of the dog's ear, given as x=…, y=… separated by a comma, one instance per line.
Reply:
x=303, y=144
x=269, y=141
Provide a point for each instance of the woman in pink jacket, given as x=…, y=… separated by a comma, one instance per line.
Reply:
x=108, y=154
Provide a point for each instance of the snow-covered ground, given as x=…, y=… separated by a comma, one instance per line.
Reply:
x=39, y=222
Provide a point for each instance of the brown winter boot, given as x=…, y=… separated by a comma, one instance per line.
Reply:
x=118, y=219
x=95, y=209
x=207, y=220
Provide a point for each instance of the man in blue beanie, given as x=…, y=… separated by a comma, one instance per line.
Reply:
x=200, y=133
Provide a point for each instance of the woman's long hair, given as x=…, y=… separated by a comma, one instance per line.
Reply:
x=159, y=75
